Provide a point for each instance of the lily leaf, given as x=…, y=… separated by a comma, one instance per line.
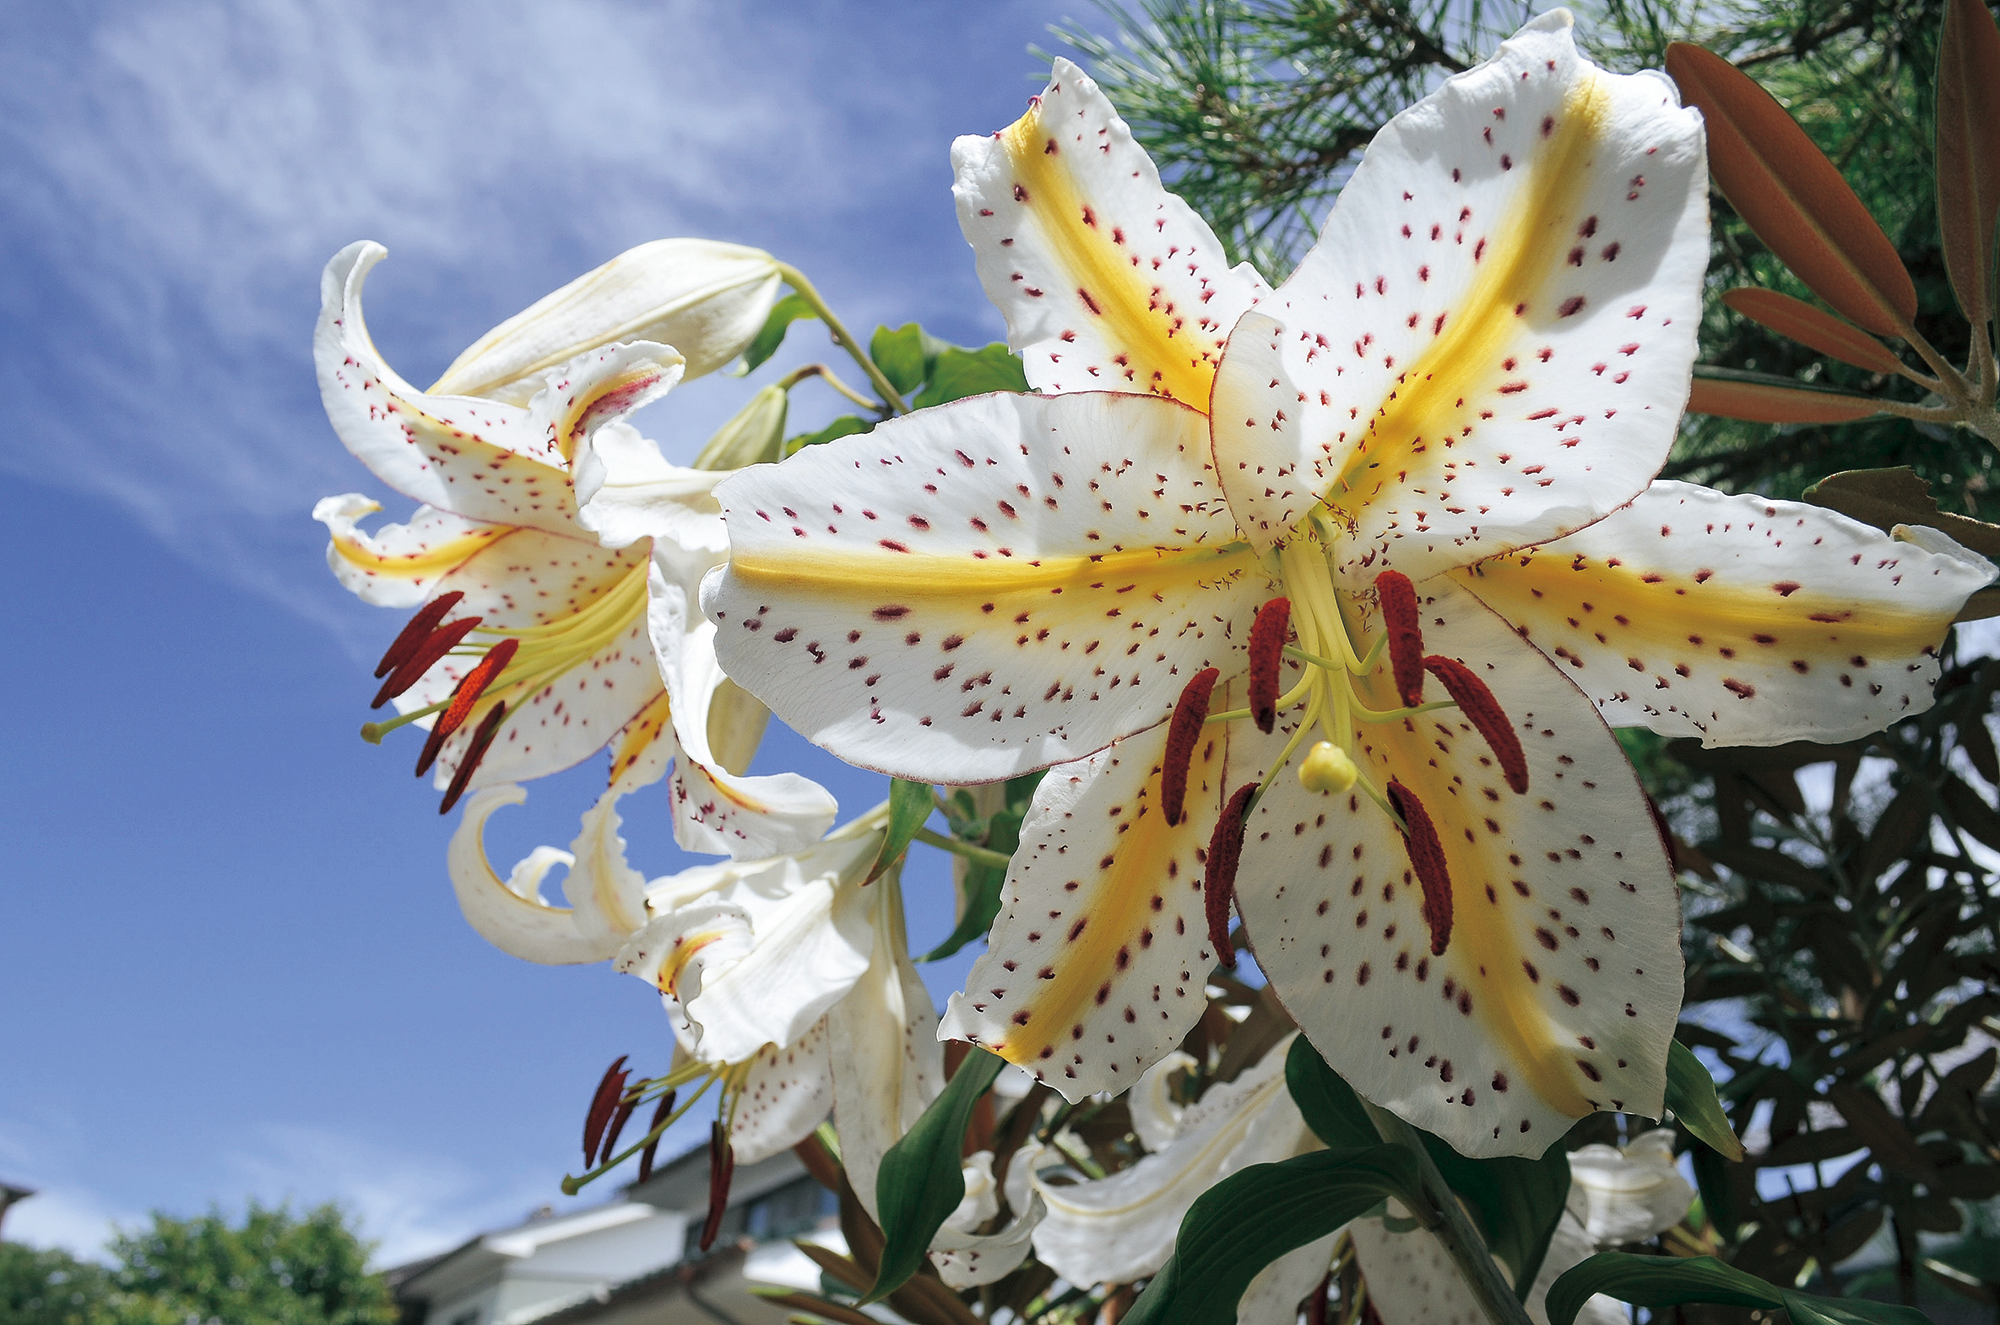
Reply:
x=960, y=373
x=1968, y=152
x=772, y=334
x=1886, y=498
x=1691, y=1095
x=1756, y=398
x=909, y=805
x=844, y=426
x=921, y=1180
x=1662, y=1281
x=899, y=353
x=1256, y=1215
x=1809, y=326
x=1792, y=196
x=1329, y=1104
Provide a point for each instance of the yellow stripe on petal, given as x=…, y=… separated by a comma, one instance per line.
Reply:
x=636, y=743
x=904, y=575
x=1738, y=619
x=684, y=951
x=420, y=561
x=1096, y=965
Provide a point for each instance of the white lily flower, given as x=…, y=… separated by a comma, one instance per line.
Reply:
x=1616, y=1195
x=1156, y=1119
x=705, y=299
x=562, y=639
x=1434, y=441
x=1628, y=1193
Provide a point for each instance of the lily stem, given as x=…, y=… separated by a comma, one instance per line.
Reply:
x=978, y=855
x=825, y=374
x=1446, y=1220
x=843, y=338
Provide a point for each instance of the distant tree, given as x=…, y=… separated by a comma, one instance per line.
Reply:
x=52, y=1288
x=273, y=1269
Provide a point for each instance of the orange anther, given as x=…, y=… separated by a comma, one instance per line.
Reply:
x=467, y=693
x=489, y=727
x=412, y=668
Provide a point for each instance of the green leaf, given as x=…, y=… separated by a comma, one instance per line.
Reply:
x=909, y=805
x=982, y=882
x=1664, y=1281
x=844, y=426
x=960, y=373
x=1256, y=1215
x=1691, y=1095
x=900, y=355
x=1329, y=1104
x=921, y=1181
x=1655, y=1281
x=1516, y=1202
x=772, y=334
x=1718, y=1192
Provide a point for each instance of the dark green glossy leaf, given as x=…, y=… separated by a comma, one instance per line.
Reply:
x=772, y=334
x=959, y=373
x=1329, y=1104
x=1718, y=1191
x=899, y=353
x=1655, y=1281
x=1691, y=1095
x=1516, y=1202
x=1808, y=1309
x=1001, y=832
x=1256, y=1215
x=921, y=1181
x=909, y=805
x=844, y=426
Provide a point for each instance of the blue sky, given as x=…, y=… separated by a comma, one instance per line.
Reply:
x=231, y=961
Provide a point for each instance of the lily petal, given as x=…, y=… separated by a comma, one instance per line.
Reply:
x=1412, y=1280
x=1739, y=619
x=626, y=490
x=967, y=1260
x=786, y=1094
x=1095, y=966
x=705, y=299
x=608, y=895
x=479, y=459
x=714, y=809
x=510, y=913
x=1121, y=1228
x=1558, y=991
x=985, y=588
x=1628, y=1193
x=1490, y=345
x=400, y=564
x=1155, y=1117
x=1273, y=1296
x=1107, y=281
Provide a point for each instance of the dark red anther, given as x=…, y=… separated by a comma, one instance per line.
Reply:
x=1218, y=887
x=602, y=1105
x=1398, y=600
x=1477, y=703
x=1420, y=839
x=1267, y=649
x=1316, y=1304
x=660, y=1112
x=721, y=1168
x=463, y=697
x=420, y=626
x=475, y=750
x=411, y=670
x=1183, y=732
x=618, y=1121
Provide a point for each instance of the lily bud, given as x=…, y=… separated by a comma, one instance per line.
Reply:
x=1326, y=767
x=705, y=299
x=755, y=435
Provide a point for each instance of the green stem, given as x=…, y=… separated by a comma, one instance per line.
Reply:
x=976, y=854
x=1447, y=1222
x=825, y=374
x=842, y=338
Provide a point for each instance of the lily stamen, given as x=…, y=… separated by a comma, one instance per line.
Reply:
x=1190, y=712
x=661, y=1111
x=1218, y=886
x=1476, y=701
x=463, y=697
x=610, y=1088
x=1428, y=860
x=1397, y=598
x=1267, y=644
x=482, y=740
x=413, y=634
x=721, y=1169
x=422, y=658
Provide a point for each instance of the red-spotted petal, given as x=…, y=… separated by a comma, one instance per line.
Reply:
x=1108, y=282
x=1559, y=988
x=984, y=588
x=1095, y=967
x=397, y=565
x=1741, y=620
x=1490, y=344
